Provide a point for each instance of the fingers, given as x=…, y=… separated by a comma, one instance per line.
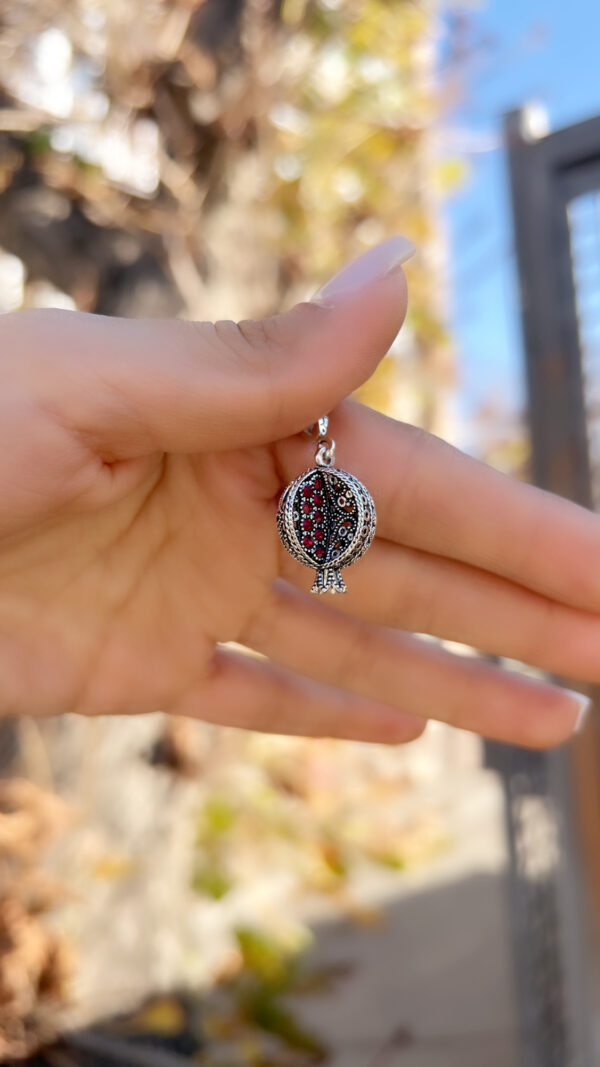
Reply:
x=247, y=692
x=415, y=676
x=404, y=587
x=131, y=388
x=432, y=497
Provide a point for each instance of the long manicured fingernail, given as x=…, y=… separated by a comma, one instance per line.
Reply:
x=375, y=263
x=583, y=705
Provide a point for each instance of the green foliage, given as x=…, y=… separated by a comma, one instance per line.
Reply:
x=265, y=1009
x=212, y=881
x=264, y=956
x=38, y=142
x=272, y=969
x=219, y=816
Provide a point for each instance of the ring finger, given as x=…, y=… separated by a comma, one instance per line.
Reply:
x=415, y=676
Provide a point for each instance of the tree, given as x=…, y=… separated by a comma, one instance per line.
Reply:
x=219, y=158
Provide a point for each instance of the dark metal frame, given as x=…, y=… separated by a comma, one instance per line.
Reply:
x=554, y=964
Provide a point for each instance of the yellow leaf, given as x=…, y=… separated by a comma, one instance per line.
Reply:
x=111, y=868
x=449, y=174
x=162, y=1016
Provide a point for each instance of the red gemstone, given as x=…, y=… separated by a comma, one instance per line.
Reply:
x=319, y=535
x=307, y=491
x=307, y=524
x=317, y=499
x=306, y=507
x=307, y=542
x=318, y=516
x=318, y=482
x=320, y=551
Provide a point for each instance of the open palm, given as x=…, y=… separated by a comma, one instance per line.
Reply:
x=140, y=469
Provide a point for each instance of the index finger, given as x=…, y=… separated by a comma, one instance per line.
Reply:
x=132, y=387
x=430, y=496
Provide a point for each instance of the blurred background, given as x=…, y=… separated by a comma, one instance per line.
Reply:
x=171, y=892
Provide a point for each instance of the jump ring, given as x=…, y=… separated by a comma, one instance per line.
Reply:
x=325, y=452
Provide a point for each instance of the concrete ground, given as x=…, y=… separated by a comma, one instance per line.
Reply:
x=431, y=985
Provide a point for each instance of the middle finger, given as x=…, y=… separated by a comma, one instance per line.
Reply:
x=404, y=587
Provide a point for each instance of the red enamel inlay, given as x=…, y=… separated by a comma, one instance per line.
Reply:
x=307, y=542
x=307, y=524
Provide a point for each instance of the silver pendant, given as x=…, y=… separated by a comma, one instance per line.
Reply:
x=326, y=517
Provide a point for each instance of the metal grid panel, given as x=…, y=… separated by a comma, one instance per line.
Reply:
x=534, y=833
x=584, y=231
x=554, y=183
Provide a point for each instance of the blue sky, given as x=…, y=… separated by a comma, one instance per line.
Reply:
x=542, y=50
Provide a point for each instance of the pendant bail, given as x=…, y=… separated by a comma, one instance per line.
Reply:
x=322, y=427
x=325, y=453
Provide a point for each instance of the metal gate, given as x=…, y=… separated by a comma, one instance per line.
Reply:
x=553, y=799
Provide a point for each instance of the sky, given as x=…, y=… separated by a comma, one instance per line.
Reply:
x=546, y=51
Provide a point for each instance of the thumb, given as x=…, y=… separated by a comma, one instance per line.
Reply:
x=132, y=387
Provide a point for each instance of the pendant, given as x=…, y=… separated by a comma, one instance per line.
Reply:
x=326, y=517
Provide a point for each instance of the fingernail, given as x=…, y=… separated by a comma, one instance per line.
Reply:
x=375, y=263
x=583, y=704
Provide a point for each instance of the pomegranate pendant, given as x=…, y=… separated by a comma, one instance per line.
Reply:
x=326, y=518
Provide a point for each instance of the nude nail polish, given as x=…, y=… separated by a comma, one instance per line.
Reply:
x=584, y=704
x=362, y=272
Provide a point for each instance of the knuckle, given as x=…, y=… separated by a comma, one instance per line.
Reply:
x=253, y=354
x=406, y=489
x=536, y=641
x=230, y=338
x=255, y=333
x=264, y=621
x=412, y=598
x=284, y=332
x=251, y=341
x=356, y=658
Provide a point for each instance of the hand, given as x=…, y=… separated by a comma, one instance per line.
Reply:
x=140, y=468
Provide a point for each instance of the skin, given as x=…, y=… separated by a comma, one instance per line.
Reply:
x=140, y=469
